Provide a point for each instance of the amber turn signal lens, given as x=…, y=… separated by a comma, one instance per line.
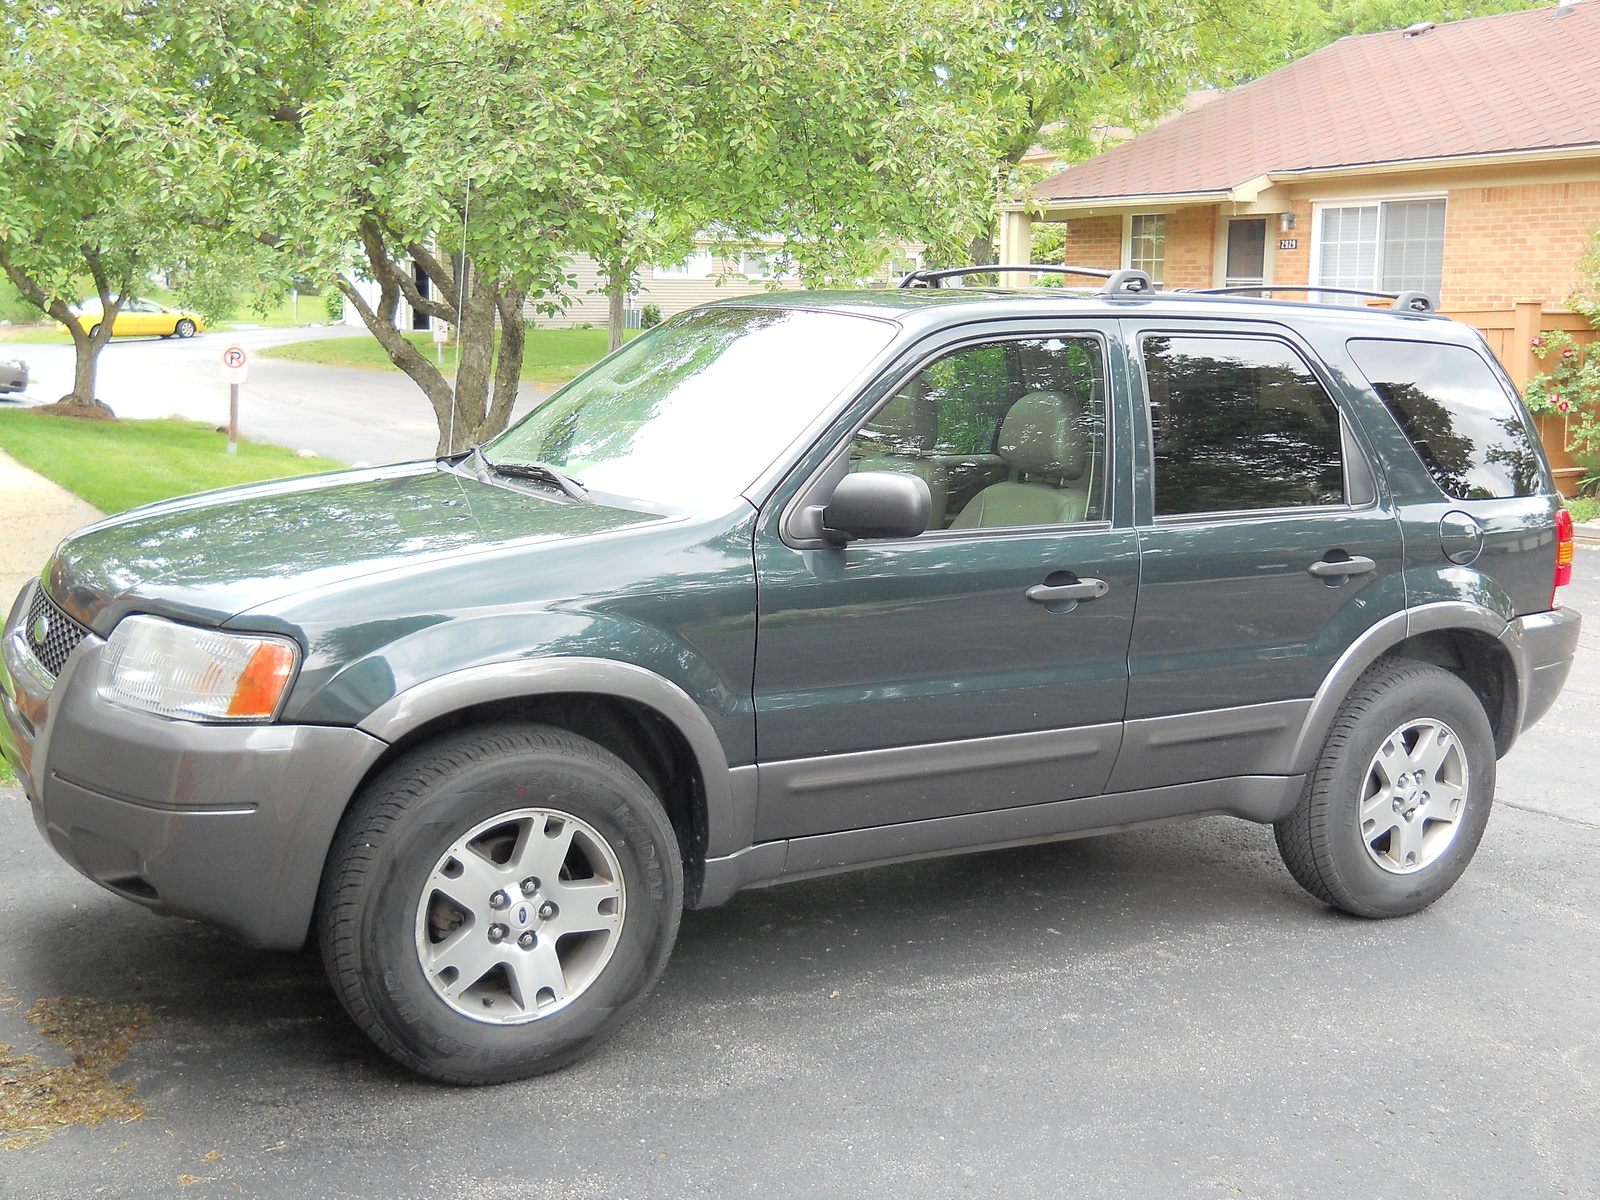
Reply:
x=260, y=687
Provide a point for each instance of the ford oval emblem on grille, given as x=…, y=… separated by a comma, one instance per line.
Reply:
x=40, y=629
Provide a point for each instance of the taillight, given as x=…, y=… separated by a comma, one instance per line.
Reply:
x=1563, y=552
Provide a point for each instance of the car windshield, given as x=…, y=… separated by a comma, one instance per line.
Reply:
x=691, y=414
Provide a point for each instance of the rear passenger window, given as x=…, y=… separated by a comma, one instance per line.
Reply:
x=1457, y=414
x=1005, y=434
x=1239, y=423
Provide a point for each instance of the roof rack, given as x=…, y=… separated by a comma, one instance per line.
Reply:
x=1118, y=283
x=1416, y=302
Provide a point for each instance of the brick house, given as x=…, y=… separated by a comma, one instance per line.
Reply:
x=1461, y=160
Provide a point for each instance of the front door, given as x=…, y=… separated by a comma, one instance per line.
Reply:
x=1265, y=549
x=955, y=672
x=1247, y=251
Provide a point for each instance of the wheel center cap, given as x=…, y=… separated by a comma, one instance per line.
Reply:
x=523, y=913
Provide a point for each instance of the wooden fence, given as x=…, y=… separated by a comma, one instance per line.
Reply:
x=1510, y=333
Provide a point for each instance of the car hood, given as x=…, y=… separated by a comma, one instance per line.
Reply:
x=209, y=557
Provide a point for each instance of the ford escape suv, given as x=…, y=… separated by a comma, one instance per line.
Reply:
x=800, y=583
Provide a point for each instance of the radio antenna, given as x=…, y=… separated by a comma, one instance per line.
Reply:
x=461, y=309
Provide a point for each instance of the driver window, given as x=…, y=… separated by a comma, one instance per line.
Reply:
x=1005, y=434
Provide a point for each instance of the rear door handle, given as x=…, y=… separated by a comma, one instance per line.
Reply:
x=1357, y=565
x=1084, y=589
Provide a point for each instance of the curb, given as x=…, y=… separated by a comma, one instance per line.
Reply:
x=1587, y=533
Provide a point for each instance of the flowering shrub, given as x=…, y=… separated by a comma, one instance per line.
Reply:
x=1568, y=388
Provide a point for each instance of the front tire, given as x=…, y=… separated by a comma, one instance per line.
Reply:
x=1400, y=796
x=184, y=328
x=499, y=902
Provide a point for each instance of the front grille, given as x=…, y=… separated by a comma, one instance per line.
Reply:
x=61, y=633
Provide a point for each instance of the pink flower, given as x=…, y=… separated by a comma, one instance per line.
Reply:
x=1538, y=341
x=1569, y=354
x=1562, y=405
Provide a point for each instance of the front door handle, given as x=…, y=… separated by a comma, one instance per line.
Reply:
x=1342, y=567
x=1084, y=589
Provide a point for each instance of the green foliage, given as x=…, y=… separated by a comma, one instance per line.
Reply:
x=13, y=307
x=1585, y=297
x=1569, y=388
x=649, y=316
x=1311, y=24
x=116, y=465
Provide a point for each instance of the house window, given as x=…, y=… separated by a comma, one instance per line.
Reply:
x=697, y=266
x=1395, y=246
x=1147, y=244
x=764, y=264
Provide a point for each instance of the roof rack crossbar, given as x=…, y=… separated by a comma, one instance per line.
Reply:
x=1417, y=302
x=1123, y=282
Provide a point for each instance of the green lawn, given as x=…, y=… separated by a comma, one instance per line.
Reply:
x=33, y=335
x=116, y=465
x=1585, y=508
x=550, y=356
x=283, y=315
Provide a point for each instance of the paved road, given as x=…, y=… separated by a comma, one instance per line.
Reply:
x=1159, y=1013
x=342, y=413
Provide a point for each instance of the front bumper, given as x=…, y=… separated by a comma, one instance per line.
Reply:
x=224, y=823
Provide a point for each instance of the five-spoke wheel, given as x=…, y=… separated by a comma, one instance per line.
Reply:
x=520, y=915
x=1400, y=796
x=499, y=901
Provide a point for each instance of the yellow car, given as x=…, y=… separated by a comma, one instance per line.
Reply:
x=143, y=318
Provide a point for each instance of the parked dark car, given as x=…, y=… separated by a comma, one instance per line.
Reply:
x=795, y=584
x=13, y=375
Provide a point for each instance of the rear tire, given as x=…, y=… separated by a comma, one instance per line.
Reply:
x=498, y=902
x=1400, y=796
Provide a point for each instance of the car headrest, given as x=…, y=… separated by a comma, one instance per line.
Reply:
x=1042, y=436
x=909, y=422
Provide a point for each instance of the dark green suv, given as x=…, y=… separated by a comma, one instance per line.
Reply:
x=798, y=584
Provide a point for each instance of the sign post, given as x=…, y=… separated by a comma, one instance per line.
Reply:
x=441, y=335
x=235, y=367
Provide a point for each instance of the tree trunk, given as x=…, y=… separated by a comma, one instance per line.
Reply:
x=981, y=251
x=86, y=348
x=616, y=304
x=466, y=413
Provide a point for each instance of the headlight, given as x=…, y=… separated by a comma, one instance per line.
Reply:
x=156, y=666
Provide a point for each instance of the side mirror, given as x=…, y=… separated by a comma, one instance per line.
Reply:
x=878, y=504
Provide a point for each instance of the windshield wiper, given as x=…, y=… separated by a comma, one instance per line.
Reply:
x=539, y=473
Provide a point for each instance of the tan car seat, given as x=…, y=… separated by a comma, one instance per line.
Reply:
x=1049, y=455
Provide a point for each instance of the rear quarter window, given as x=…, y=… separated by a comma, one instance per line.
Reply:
x=1465, y=426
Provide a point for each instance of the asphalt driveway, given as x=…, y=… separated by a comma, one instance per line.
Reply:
x=339, y=412
x=1157, y=1013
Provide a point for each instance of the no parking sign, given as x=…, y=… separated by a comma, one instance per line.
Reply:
x=235, y=364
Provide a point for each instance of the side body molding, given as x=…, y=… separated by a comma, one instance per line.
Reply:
x=730, y=825
x=1371, y=646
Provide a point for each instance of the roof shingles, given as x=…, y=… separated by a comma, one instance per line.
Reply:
x=1518, y=81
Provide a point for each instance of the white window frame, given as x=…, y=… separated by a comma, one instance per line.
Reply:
x=1127, y=240
x=701, y=264
x=761, y=258
x=1319, y=206
x=1219, y=248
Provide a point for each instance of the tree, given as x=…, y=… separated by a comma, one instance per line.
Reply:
x=95, y=162
x=476, y=147
x=1074, y=68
